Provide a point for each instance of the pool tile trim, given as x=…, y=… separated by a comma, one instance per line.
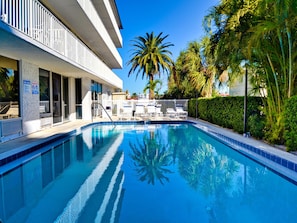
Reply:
x=272, y=157
x=276, y=163
x=10, y=156
x=15, y=154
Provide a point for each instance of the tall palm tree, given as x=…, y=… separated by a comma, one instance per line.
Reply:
x=201, y=73
x=194, y=72
x=150, y=56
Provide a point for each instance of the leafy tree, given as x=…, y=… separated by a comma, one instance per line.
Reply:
x=195, y=71
x=273, y=42
x=263, y=33
x=150, y=56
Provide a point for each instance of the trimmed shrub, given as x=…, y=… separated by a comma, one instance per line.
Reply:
x=290, y=122
x=228, y=112
x=256, y=125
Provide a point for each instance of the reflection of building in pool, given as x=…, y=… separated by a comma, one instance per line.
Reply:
x=66, y=184
x=62, y=64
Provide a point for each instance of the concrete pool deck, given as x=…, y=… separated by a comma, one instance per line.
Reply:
x=239, y=142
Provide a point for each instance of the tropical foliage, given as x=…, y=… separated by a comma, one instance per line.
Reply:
x=291, y=123
x=194, y=73
x=8, y=85
x=263, y=34
x=259, y=36
x=150, y=57
x=155, y=86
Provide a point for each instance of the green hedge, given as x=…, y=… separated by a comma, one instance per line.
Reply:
x=228, y=112
x=290, y=121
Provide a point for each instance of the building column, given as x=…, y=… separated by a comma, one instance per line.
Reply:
x=86, y=99
x=29, y=97
x=72, y=92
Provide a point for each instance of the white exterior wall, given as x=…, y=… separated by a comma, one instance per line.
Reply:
x=238, y=88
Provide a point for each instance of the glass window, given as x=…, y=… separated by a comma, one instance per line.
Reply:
x=9, y=88
x=96, y=90
x=44, y=104
x=78, y=98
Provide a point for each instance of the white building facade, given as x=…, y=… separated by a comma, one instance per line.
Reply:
x=56, y=60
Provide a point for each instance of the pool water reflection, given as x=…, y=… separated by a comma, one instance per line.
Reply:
x=143, y=173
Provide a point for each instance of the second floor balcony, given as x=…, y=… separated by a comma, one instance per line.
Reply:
x=31, y=26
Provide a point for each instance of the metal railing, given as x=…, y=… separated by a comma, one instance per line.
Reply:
x=95, y=108
x=33, y=19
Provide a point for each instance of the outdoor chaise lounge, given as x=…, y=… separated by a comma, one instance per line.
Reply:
x=180, y=112
x=159, y=113
x=171, y=113
x=151, y=110
x=139, y=111
x=126, y=112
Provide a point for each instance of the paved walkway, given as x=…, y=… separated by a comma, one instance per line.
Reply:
x=30, y=140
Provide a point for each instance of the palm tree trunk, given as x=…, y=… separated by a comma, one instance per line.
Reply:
x=152, y=93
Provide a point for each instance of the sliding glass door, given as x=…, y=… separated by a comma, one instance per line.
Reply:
x=57, y=102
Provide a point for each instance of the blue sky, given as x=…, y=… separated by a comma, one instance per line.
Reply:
x=180, y=19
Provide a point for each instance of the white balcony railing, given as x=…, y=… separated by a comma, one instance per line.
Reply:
x=33, y=19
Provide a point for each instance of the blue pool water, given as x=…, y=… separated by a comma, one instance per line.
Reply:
x=143, y=173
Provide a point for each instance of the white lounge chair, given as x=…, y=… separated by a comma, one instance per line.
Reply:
x=158, y=110
x=151, y=110
x=126, y=112
x=180, y=112
x=171, y=113
x=139, y=111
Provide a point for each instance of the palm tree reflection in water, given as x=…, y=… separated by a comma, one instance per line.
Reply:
x=151, y=158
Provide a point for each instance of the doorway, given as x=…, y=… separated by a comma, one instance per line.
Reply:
x=57, y=102
x=66, y=98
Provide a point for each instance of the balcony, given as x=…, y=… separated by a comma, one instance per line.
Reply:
x=29, y=20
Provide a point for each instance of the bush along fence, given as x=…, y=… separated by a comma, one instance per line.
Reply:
x=290, y=121
x=228, y=112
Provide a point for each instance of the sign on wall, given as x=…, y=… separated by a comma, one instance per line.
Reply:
x=30, y=88
x=27, y=86
x=35, y=89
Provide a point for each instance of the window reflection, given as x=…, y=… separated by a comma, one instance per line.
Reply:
x=9, y=88
x=96, y=90
x=44, y=105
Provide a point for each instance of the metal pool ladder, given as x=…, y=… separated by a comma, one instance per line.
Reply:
x=106, y=113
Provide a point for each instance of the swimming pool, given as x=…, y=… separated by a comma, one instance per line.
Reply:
x=142, y=173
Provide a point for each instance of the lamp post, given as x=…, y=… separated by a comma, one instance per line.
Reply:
x=245, y=102
x=196, y=101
